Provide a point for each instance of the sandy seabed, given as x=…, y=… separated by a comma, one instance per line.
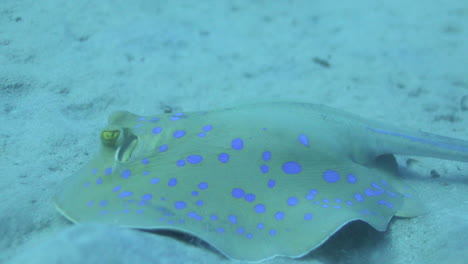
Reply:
x=65, y=65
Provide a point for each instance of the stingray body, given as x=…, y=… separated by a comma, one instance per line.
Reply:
x=254, y=181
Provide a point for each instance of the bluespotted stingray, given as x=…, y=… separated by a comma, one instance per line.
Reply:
x=254, y=181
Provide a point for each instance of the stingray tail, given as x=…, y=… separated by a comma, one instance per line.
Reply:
x=418, y=143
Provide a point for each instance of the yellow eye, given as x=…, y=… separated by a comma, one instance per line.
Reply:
x=109, y=137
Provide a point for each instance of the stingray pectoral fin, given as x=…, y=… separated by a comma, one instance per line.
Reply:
x=102, y=164
x=412, y=205
x=73, y=188
x=411, y=208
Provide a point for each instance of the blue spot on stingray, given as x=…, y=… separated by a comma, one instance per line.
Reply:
x=237, y=193
x=195, y=216
x=180, y=163
x=249, y=236
x=154, y=180
x=272, y=232
x=250, y=197
x=90, y=203
x=180, y=205
x=240, y=230
x=223, y=157
x=271, y=183
x=99, y=181
x=260, y=226
x=154, y=119
x=351, y=178
x=201, y=134
x=279, y=216
x=266, y=155
x=146, y=173
x=232, y=219
x=172, y=182
x=292, y=167
x=213, y=217
x=370, y=192
x=331, y=176
x=125, y=194
x=237, y=144
x=117, y=188
x=338, y=200
x=207, y=128
x=103, y=203
x=194, y=193
x=391, y=194
x=163, y=148
x=87, y=184
x=199, y=217
x=310, y=196
x=292, y=201
x=145, y=161
x=179, y=133
x=264, y=168
x=194, y=159
x=199, y=203
x=303, y=139
x=203, y=185
x=94, y=171
x=126, y=174
x=108, y=171
x=141, y=118
x=308, y=217
x=260, y=208
x=157, y=130
x=220, y=230
x=358, y=197
x=376, y=186
x=349, y=202
x=383, y=202
x=147, y=196
x=325, y=200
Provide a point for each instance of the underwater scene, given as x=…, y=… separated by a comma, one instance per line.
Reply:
x=239, y=131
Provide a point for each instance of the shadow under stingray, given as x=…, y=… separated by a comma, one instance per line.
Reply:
x=347, y=244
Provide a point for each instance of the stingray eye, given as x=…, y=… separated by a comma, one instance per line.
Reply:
x=109, y=137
